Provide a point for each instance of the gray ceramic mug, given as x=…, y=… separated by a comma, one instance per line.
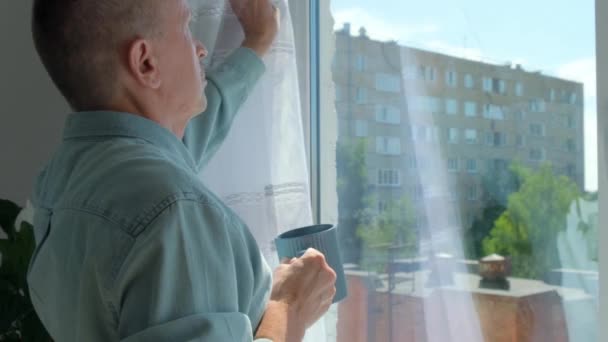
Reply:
x=322, y=237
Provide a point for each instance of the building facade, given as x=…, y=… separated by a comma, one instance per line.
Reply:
x=436, y=125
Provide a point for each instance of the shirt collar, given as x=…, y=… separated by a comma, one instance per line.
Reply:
x=117, y=124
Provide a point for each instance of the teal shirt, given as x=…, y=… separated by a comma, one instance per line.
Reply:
x=131, y=245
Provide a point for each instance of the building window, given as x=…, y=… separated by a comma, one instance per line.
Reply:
x=361, y=95
x=469, y=83
x=570, y=122
x=520, y=140
x=471, y=165
x=418, y=192
x=538, y=106
x=487, y=84
x=388, y=145
x=426, y=73
x=453, y=135
x=470, y=136
x=388, y=114
x=537, y=154
x=519, y=89
x=389, y=177
x=451, y=78
x=499, y=139
x=472, y=193
x=425, y=104
x=571, y=170
x=360, y=63
x=470, y=109
x=573, y=98
x=361, y=128
x=552, y=95
x=453, y=164
x=493, y=112
x=537, y=130
x=388, y=83
x=451, y=106
x=570, y=145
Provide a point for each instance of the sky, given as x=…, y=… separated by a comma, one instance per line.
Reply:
x=556, y=37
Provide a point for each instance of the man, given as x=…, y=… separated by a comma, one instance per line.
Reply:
x=130, y=245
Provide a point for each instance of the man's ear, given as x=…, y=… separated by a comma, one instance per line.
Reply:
x=143, y=64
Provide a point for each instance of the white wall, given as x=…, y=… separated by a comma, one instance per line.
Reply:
x=602, y=91
x=32, y=111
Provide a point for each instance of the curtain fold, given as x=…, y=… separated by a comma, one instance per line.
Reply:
x=261, y=171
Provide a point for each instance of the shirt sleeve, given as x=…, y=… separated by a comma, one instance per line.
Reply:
x=190, y=276
x=227, y=88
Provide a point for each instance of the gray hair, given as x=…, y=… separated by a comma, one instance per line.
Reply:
x=79, y=42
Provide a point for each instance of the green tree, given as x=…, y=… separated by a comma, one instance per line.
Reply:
x=498, y=183
x=527, y=231
x=393, y=227
x=353, y=195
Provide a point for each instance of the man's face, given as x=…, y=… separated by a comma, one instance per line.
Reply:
x=183, y=77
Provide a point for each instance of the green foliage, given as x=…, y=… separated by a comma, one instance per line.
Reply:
x=353, y=195
x=498, y=184
x=527, y=231
x=392, y=228
x=18, y=320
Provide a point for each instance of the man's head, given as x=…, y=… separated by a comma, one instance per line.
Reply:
x=127, y=53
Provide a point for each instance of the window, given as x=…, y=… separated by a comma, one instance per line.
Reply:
x=537, y=130
x=520, y=140
x=453, y=135
x=469, y=83
x=570, y=122
x=388, y=145
x=500, y=139
x=451, y=106
x=470, y=136
x=470, y=109
x=426, y=73
x=493, y=112
x=360, y=128
x=453, y=164
x=506, y=115
x=472, y=193
x=487, y=84
x=451, y=78
x=388, y=114
x=537, y=154
x=389, y=177
x=361, y=96
x=425, y=104
x=519, y=89
x=471, y=166
x=570, y=145
x=538, y=106
x=360, y=63
x=388, y=83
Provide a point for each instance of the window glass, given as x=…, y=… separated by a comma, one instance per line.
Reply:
x=474, y=216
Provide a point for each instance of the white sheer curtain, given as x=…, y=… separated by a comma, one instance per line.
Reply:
x=261, y=171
